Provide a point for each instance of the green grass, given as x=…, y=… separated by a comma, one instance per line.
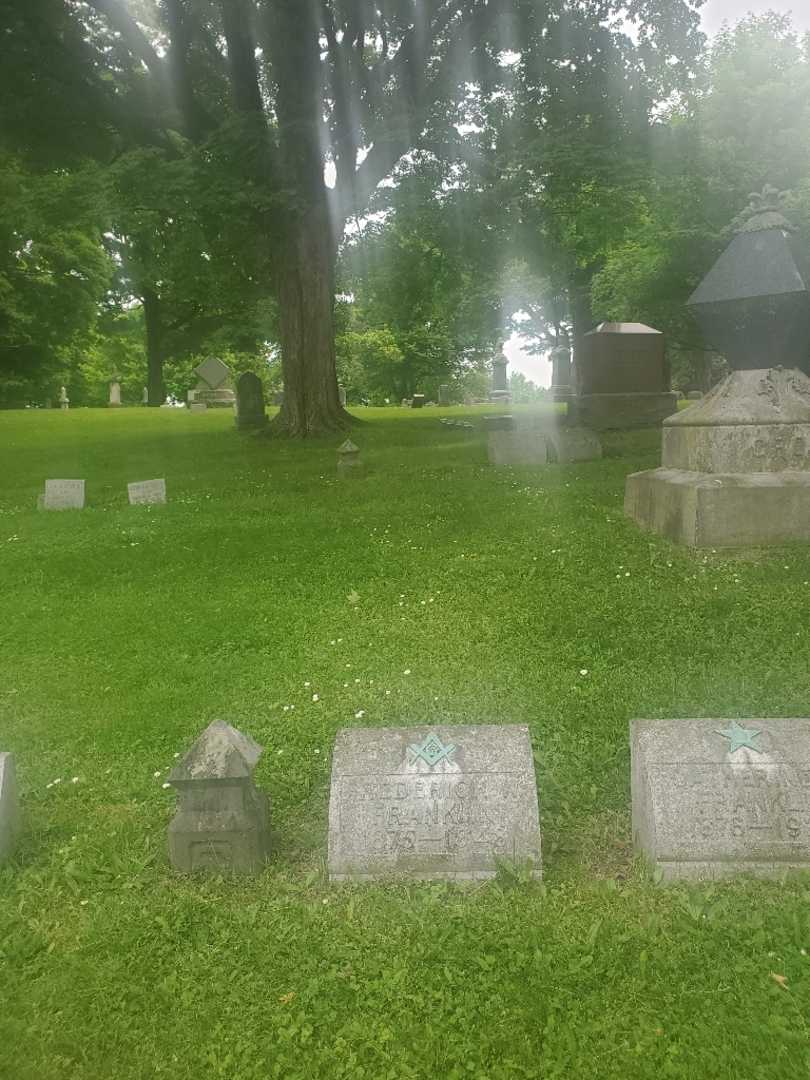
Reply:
x=124, y=631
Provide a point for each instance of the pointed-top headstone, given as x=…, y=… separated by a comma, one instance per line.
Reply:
x=220, y=753
x=348, y=447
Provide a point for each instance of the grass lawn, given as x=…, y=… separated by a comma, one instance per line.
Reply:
x=432, y=588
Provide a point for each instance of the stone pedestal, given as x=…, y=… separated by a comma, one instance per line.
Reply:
x=214, y=387
x=566, y=444
x=735, y=466
x=605, y=411
x=221, y=823
x=349, y=463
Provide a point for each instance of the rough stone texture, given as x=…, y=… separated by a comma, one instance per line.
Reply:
x=606, y=411
x=221, y=822
x=708, y=804
x=567, y=444
x=145, y=492
x=432, y=802
x=520, y=446
x=63, y=495
x=9, y=806
x=250, y=414
x=736, y=466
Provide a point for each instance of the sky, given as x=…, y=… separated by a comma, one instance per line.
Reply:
x=713, y=14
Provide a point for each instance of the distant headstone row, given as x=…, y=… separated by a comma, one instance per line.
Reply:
x=69, y=494
x=710, y=798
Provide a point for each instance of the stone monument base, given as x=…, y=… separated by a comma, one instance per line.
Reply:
x=603, y=411
x=568, y=444
x=520, y=446
x=721, y=509
x=215, y=399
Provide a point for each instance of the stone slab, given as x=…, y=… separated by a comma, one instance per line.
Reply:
x=63, y=495
x=442, y=802
x=146, y=492
x=718, y=797
x=606, y=411
x=736, y=448
x=198, y=407
x=213, y=372
x=9, y=805
x=724, y=510
x=520, y=446
x=569, y=444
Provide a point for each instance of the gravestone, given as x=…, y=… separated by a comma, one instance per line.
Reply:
x=62, y=495
x=561, y=374
x=500, y=382
x=64, y=400
x=9, y=806
x=214, y=385
x=735, y=468
x=569, y=443
x=444, y=394
x=694, y=395
x=623, y=377
x=348, y=461
x=438, y=802
x=518, y=446
x=719, y=797
x=221, y=822
x=417, y=401
x=145, y=396
x=195, y=406
x=342, y=396
x=250, y=414
x=146, y=492
x=115, y=394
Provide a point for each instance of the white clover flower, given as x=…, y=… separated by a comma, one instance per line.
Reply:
x=357, y=680
x=316, y=750
x=387, y=693
x=359, y=714
x=315, y=697
x=166, y=786
x=177, y=755
x=74, y=780
x=307, y=684
x=156, y=774
x=583, y=671
x=58, y=780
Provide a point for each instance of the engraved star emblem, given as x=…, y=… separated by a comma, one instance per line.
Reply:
x=740, y=736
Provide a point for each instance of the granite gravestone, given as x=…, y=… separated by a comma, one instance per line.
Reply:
x=432, y=803
x=250, y=414
x=719, y=797
x=222, y=819
x=214, y=385
x=63, y=495
x=348, y=460
x=569, y=443
x=145, y=492
x=444, y=394
x=64, y=400
x=115, y=394
x=9, y=806
x=623, y=377
x=500, y=381
x=417, y=401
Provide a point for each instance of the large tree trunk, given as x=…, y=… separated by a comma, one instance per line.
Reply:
x=156, y=390
x=306, y=274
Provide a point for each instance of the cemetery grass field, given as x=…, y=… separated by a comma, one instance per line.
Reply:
x=433, y=587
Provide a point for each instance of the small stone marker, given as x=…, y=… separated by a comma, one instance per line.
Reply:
x=62, y=495
x=145, y=492
x=9, y=805
x=568, y=444
x=221, y=822
x=250, y=414
x=198, y=407
x=145, y=396
x=432, y=803
x=417, y=401
x=348, y=458
x=64, y=400
x=115, y=394
x=718, y=797
x=342, y=396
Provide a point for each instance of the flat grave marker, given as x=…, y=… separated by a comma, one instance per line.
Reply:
x=146, y=492
x=718, y=797
x=63, y=495
x=426, y=803
x=9, y=805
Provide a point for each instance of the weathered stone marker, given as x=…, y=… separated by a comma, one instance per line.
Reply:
x=432, y=802
x=115, y=394
x=9, y=806
x=64, y=400
x=214, y=385
x=348, y=460
x=62, y=495
x=250, y=414
x=719, y=797
x=568, y=443
x=444, y=394
x=222, y=819
x=145, y=492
